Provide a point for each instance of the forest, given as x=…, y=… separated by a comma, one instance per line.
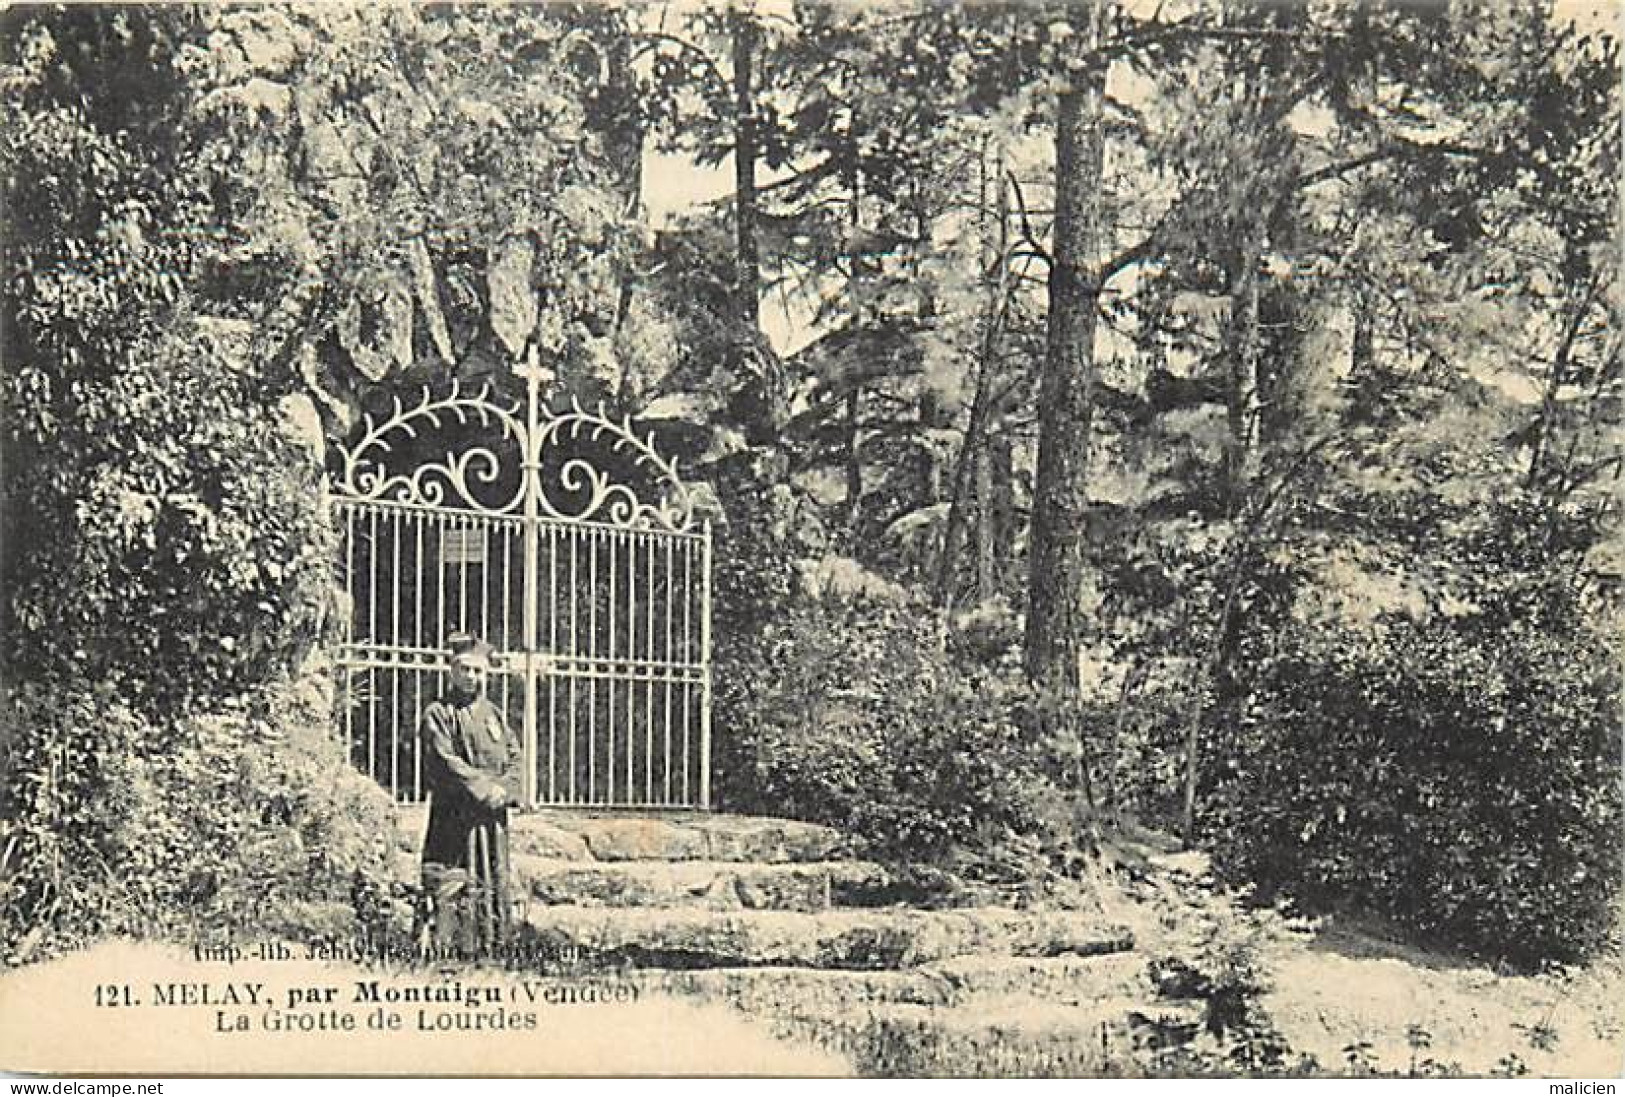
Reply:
x=1194, y=417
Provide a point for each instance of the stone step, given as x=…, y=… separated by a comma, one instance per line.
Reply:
x=715, y=885
x=573, y=835
x=712, y=885
x=983, y=1016
x=691, y=937
x=808, y=886
x=968, y=1016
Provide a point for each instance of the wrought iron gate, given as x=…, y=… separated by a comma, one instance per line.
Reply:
x=582, y=562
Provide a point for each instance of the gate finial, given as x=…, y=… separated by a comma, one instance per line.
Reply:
x=531, y=370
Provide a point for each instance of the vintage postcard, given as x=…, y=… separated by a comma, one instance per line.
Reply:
x=803, y=539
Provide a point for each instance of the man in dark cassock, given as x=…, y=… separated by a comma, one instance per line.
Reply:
x=471, y=764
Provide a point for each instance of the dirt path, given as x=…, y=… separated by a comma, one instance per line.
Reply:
x=1347, y=987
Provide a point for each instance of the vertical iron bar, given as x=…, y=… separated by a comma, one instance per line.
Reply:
x=631, y=654
x=575, y=654
x=505, y=644
x=609, y=701
x=705, y=669
x=417, y=740
x=531, y=471
x=395, y=645
x=688, y=656
x=553, y=652
x=463, y=534
x=418, y=566
x=440, y=585
x=443, y=626
x=482, y=538
x=670, y=670
x=372, y=639
x=500, y=681
x=349, y=629
x=649, y=681
x=592, y=653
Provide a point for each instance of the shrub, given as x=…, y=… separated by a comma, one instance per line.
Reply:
x=849, y=713
x=1217, y=947
x=1457, y=775
x=168, y=554
x=114, y=822
x=192, y=529
x=1135, y=744
x=755, y=575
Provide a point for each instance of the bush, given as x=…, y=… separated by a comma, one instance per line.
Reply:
x=1218, y=948
x=849, y=713
x=115, y=823
x=168, y=552
x=191, y=526
x=1457, y=775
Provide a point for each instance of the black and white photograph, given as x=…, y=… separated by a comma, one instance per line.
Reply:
x=926, y=539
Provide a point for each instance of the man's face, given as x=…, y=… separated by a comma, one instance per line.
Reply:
x=468, y=673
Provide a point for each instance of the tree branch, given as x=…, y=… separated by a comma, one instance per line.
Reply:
x=1028, y=235
x=1174, y=31
x=655, y=39
x=1395, y=148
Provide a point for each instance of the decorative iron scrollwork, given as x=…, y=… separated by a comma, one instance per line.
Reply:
x=540, y=444
x=450, y=482
x=605, y=499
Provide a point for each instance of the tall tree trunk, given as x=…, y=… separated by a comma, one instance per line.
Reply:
x=856, y=319
x=1066, y=389
x=1365, y=384
x=1003, y=507
x=626, y=152
x=623, y=136
x=1243, y=396
x=854, y=464
x=1242, y=410
x=747, y=264
x=1244, y=405
x=995, y=230
x=930, y=416
x=986, y=577
x=634, y=201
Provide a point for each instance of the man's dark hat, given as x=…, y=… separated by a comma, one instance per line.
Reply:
x=465, y=643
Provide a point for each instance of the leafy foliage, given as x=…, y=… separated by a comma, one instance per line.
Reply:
x=1344, y=495
x=168, y=555
x=1216, y=947
x=193, y=528
x=146, y=453
x=420, y=192
x=849, y=714
x=119, y=823
x=1458, y=775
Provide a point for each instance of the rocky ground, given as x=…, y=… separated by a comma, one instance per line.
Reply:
x=1351, y=986
x=764, y=947
x=777, y=920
